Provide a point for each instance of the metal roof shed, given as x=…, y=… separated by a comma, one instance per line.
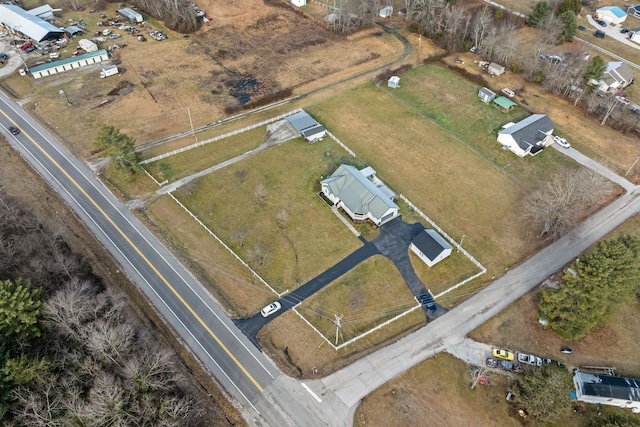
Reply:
x=18, y=20
x=301, y=121
x=131, y=15
x=503, y=103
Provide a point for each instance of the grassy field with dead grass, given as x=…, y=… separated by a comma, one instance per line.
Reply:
x=371, y=293
x=266, y=209
x=616, y=343
x=444, y=177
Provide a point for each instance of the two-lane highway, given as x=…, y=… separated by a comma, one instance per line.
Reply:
x=181, y=300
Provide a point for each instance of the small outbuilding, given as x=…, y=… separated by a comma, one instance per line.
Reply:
x=394, y=82
x=87, y=45
x=486, y=95
x=634, y=11
x=386, y=12
x=495, y=69
x=504, y=104
x=130, y=15
x=611, y=15
x=43, y=12
x=430, y=247
x=308, y=127
x=73, y=30
x=314, y=133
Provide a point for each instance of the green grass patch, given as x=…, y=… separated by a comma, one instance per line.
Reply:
x=267, y=209
x=198, y=159
x=371, y=293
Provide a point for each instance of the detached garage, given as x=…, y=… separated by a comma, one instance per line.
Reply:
x=72, y=63
x=611, y=14
x=430, y=247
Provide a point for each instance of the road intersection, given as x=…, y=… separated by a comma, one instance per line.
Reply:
x=265, y=396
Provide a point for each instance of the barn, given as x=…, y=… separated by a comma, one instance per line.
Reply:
x=130, y=15
x=611, y=15
x=430, y=247
x=308, y=127
x=72, y=63
x=20, y=21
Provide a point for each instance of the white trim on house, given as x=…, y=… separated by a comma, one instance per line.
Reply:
x=528, y=136
x=430, y=247
x=608, y=390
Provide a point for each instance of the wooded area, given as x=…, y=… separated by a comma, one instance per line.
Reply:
x=71, y=352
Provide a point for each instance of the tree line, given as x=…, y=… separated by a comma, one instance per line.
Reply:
x=70, y=351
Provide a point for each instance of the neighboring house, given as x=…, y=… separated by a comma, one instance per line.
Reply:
x=18, y=20
x=486, y=95
x=634, y=11
x=72, y=63
x=617, y=76
x=360, y=194
x=43, y=12
x=386, y=12
x=495, y=69
x=308, y=127
x=430, y=247
x=394, y=82
x=611, y=14
x=528, y=136
x=608, y=390
x=504, y=104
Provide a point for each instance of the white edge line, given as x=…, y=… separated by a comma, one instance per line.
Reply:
x=315, y=396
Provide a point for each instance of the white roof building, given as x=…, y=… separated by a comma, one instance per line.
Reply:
x=20, y=21
x=611, y=14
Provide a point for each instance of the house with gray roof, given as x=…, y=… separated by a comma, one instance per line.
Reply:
x=608, y=390
x=528, y=136
x=430, y=247
x=360, y=194
x=20, y=21
x=617, y=76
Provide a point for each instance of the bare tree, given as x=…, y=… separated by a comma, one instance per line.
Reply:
x=240, y=235
x=259, y=253
x=282, y=218
x=558, y=206
x=260, y=193
x=610, y=104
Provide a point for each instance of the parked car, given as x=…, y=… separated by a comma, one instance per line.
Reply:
x=500, y=353
x=601, y=23
x=54, y=55
x=599, y=34
x=14, y=130
x=529, y=359
x=623, y=100
x=503, y=364
x=427, y=301
x=508, y=92
x=582, y=28
x=22, y=72
x=4, y=56
x=624, y=30
x=270, y=309
x=561, y=142
x=566, y=350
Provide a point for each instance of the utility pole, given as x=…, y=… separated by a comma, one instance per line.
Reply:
x=419, y=46
x=62, y=92
x=11, y=31
x=191, y=122
x=460, y=244
x=634, y=163
x=338, y=326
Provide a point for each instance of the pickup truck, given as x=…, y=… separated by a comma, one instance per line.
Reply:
x=529, y=359
x=505, y=365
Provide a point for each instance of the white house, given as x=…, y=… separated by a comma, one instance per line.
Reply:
x=430, y=247
x=608, y=390
x=528, y=136
x=611, y=14
x=634, y=11
x=69, y=64
x=486, y=95
x=394, y=82
x=495, y=69
x=386, y=12
x=360, y=194
x=617, y=76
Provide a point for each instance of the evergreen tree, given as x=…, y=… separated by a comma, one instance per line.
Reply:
x=569, y=5
x=569, y=27
x=119, y=146
x=19, y=310
x=595, y=69
x=593, y=286
x=540, y=12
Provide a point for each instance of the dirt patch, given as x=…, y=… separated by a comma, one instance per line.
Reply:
x=124, y=88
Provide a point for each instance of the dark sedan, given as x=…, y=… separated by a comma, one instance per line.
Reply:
x=14, y=130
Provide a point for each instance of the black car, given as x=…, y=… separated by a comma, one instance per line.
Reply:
x=427, y=300
x=14, y=130
x=624, y=30
x=4, y=56
x=599, y=34
x=601, y=23
x=582, y=28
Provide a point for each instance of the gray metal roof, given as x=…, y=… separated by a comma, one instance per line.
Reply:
x=67, y=61
x=45, y=12
x=618, y=71
x=430, y=243
x=301, y=121
x=609, y=386
x=358, y=193
x=530, y=131
x=486, y=92
x=313, y=130
x=18, y=19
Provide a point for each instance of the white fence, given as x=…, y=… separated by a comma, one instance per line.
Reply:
x=347, y=149
x=217, y=138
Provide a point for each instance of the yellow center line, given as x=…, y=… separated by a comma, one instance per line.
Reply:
x=135, y=248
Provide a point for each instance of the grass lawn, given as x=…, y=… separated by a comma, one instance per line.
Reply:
x=446, y=179
x=267, y=210
x=197, y=159
x=616, y=343
x=366, y=296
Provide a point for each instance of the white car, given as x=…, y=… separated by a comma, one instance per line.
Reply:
x=270, y=309
x=508, y=92
x=561, y=141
